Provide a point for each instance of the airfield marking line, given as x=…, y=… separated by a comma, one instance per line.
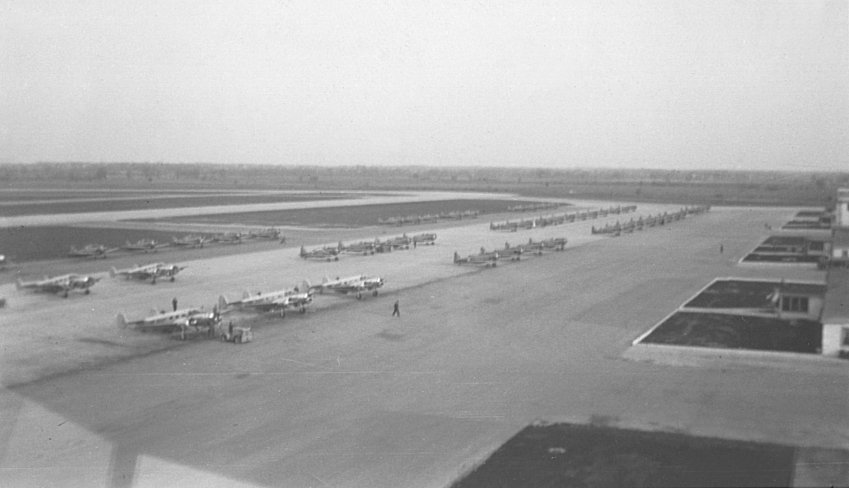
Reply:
x=281, y=373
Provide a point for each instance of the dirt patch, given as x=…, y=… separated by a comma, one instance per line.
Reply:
x=726, y=331
x=580, y=455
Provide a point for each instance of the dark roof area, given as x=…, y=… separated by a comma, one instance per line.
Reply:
x=841, y=237
x=836, y=307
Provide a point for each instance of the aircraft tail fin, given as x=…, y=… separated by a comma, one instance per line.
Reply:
x=19, y=284
x=303, y=252
x=246, y=294
x=303, y=286
x=222, y=303
x=121, y=321
x=113, y=272
x=325, y=280
x=456, y=257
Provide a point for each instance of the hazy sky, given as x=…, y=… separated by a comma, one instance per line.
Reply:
x=661, y=84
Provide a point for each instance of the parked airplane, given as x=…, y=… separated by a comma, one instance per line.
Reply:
x=189, y=241
x=352, y=284
x=488, y=259
x=424, y=239
x=145, y=245
x=57, y=284
x=269, y=233
x=182, y=319
x=323, y=253
x=228, y=238
x=366, y=248
x=399, y=242
x=149, y=271
x=298, y=297
x=91, y=251
x=554, y=243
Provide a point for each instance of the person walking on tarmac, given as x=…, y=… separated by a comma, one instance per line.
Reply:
x=396, y=312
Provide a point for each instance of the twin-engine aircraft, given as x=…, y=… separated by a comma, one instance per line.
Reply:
x=352, y=284
x=91, y=251
x=143, y=245
x=148, y=272
x=60, y=284
x=487, y=259
x=278, y=301
x=183, y=319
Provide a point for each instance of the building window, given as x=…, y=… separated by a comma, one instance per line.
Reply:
x=794, y=304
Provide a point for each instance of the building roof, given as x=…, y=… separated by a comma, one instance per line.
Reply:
x=840, y=237
x=836, y=308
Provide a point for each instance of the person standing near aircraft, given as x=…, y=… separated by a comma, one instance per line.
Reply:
x=396, y=312
x=174, y=303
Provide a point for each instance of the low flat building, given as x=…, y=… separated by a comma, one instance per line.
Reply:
x=839, y=255
x=841, y=209
x=835, y=314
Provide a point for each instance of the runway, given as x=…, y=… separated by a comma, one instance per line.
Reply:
x=347, y=395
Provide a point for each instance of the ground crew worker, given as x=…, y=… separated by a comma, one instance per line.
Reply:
x=396, y=312
x=174, y=303
x=721, y=248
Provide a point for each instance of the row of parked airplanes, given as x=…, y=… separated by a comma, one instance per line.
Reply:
x=365, y=248
x=298, y=297
x=151, y=245
x=650, y=221
x=513, y=253
x=544, y=221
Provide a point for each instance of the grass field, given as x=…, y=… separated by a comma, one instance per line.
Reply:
x=111, y=203
x=586, y=455
x=351, y=216
x=37, y=243
x=726, y=331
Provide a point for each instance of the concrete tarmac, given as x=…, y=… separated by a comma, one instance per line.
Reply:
x=347, y=395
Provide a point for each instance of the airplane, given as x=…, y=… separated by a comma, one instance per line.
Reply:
x=189, y=241
x=274, y=301
x=149, y=271
x=488, y=259
x=425, y=239
x=399, y=242
x=58, y=284
x=145, y=245
x=352, y=284
x=184, y=318
x=269, y=233
x=365, y=248
x=515, y=252
x=324, y=253
x=554, y=243
x=228, y=238
x=91, y=251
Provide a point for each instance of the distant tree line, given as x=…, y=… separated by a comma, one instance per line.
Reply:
x=708, y=186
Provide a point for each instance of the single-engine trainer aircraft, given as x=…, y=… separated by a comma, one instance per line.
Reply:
x=488, y=259
x=91, y=251
x=323, y=253
x=148, y=272
x=143, y=245
x=60, y=284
